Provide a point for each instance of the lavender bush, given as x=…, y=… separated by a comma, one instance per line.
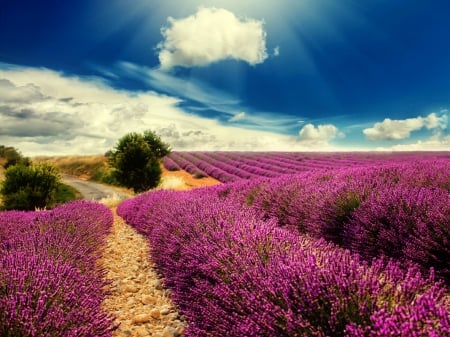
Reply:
x=50, y=284
x=41, y=297
x=405, y=223
x=329, y=204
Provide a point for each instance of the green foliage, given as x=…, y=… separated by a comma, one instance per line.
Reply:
x=105, y=175
x=29, y=187
x=65, y=193
x=12, y=157
x=158, y=148
x=135, y=160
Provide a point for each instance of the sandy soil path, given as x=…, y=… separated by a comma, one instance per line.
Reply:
x=94, y=191
x=140, y=304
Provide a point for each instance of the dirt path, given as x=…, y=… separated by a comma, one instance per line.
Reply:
x=137, y=300
x=94, y=191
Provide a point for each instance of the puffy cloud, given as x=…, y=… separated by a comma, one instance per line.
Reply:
x=211, y=35
x=390, y=129
x=319, y=135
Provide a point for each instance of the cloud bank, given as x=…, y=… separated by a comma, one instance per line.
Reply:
x=390, y=129
x=211, y=35
x=43, y=112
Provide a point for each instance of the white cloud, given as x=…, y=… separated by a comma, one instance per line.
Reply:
x=72, y=115
x=320, y=135
x=437, y=142
x=238, y=117
x=400, y=129
x=211, y=35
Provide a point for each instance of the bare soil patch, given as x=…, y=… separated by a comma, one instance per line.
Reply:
x=186, y=180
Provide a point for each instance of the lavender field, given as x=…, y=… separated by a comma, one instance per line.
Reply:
x=350, y=245
x=337, y=245
x=234, y=166
x=50, y=284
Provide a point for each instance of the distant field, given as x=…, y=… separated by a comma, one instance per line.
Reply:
x=235, y=166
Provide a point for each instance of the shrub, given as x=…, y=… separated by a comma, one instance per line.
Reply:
x=29, y=187
x=106, y=176
x=40, y=296
x=50, y=281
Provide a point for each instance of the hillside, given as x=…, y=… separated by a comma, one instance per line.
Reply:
x=84, y=167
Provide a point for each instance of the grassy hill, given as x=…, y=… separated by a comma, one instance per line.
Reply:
x=93, y=167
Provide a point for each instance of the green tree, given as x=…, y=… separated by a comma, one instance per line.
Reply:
x=29, y=187
x=157, y=146
x=135, y=160
x=12, y=156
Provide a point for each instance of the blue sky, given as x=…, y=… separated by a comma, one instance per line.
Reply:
x=304, y=75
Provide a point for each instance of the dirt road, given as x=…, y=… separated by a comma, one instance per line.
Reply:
x=93, y=191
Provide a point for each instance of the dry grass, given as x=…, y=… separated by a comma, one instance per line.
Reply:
x=84, y=167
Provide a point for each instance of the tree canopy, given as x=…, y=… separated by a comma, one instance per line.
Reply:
x=136, y=158
x=12, y=156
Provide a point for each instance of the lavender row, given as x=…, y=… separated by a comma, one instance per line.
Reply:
x=180, y=162
x=211, y=169
x=233, y=273
x=234, y=166
x=170, y=164
x=398, y=210
x=50, y=284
